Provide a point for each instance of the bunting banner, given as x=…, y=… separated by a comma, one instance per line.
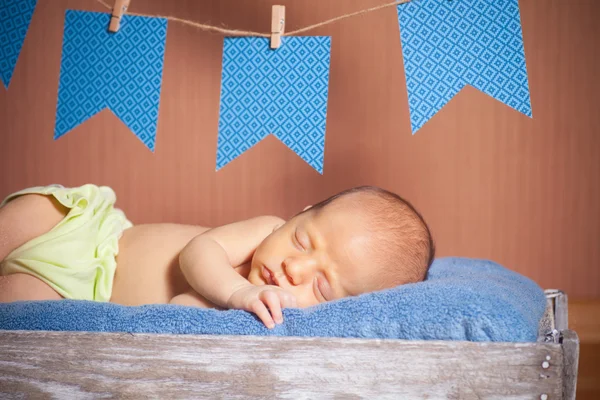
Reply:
x=15, y=16
x=449, y=44
x=445, y=44
x=281, y=92
x=121, y=71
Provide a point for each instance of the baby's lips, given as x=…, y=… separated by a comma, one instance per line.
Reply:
x=270, y=277
x=266, y=274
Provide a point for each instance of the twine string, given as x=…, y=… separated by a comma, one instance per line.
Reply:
x=237, y=32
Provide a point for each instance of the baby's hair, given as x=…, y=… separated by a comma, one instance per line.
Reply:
x=402, y=245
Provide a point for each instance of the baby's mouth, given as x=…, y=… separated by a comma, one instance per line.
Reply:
x=268, y=276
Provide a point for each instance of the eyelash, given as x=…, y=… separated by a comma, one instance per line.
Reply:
x=297, y=242
x=319, y=289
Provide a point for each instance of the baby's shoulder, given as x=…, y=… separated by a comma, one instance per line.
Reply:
x=270, y=220
x=254, y=224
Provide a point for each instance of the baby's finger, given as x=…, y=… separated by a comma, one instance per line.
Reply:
x=271, y=299
x=261, y=312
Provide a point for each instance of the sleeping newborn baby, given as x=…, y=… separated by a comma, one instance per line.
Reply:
x=72, y=243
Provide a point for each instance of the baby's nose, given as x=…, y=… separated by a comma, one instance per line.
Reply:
x=298, y=270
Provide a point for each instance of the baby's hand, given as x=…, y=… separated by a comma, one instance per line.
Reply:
x=256, y=299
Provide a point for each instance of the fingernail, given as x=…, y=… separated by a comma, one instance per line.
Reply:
x=270, y=325
x=279, y=320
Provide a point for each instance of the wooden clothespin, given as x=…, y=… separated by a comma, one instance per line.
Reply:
x=117, y=13
x=277, y=25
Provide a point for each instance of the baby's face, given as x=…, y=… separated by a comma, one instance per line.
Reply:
x=317, y=257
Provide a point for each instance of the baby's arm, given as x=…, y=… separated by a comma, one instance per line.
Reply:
x=208, y=263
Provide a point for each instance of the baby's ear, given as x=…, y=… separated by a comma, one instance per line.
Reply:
x=307, y=207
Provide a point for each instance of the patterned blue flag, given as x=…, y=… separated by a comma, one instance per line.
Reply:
x=449, y=44
x=121, y=71
x=15, y=16
x=281, y=92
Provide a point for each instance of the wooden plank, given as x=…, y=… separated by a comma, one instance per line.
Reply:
x=80, y=364
x=546, y=325
x=570, y=345
x=561, y=311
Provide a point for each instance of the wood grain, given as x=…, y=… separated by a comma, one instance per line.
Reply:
x=82, y=364
x=570, y=346
x=561, y=314
x=491, y=182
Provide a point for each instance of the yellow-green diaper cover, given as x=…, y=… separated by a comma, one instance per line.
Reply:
x=77, y=256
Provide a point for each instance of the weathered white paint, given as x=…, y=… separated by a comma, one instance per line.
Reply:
x=81, y=364
x=570, y=345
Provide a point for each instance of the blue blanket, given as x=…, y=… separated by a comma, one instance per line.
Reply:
x=462, y=299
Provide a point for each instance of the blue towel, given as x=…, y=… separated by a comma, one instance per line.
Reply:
x=462, y=299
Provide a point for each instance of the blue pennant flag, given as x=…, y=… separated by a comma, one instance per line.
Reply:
x=449, y=44
x=15, y=16
x=281, y=92
x=121, y=71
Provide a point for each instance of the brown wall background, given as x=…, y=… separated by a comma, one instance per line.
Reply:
x=491, y=182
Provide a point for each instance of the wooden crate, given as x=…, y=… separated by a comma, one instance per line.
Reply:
x=73, y=365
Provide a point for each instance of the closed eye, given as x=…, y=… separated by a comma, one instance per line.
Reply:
x=320, y=289
x=297, y=242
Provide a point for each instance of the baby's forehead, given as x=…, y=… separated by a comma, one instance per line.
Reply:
x=358, y=212
x=342, y=226
x=345, y=211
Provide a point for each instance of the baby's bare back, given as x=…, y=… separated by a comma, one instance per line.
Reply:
x=148, y=263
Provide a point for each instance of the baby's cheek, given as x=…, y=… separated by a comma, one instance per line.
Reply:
x=305, y=298
x=254, y=277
